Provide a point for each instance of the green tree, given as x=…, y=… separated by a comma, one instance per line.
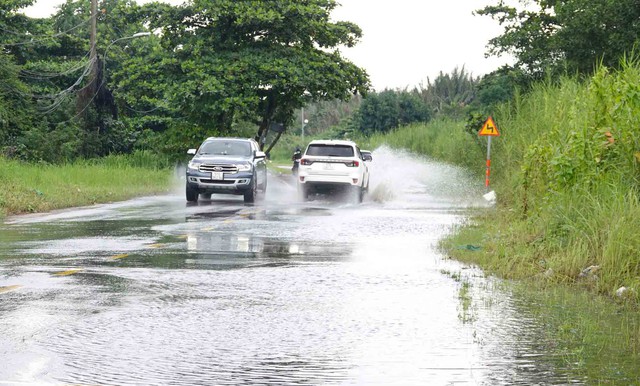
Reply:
x=498, y=87
x=563, y=35
x=216, y=67
x=16, y=112
x=389, y=109
x=15, y=109
x=257, y=60
x=450, y=94
x=100, y=105
x=324, y=115
x=594, y=30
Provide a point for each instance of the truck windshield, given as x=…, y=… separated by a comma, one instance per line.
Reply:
x=217, y=147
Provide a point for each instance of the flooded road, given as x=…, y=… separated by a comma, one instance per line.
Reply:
x=155, y=292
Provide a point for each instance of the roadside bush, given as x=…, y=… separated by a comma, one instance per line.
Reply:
x=62, y=143
x=570, y=156
x=387, y=110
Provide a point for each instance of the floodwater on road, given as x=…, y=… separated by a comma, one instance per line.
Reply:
x=154, y=291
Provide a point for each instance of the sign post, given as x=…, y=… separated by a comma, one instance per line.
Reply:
x=489, y=130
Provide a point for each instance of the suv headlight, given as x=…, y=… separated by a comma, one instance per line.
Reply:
x=193, y=165
x=244, y=167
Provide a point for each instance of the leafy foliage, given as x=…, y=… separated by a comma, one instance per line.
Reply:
x=498, y=87
x=213, y=67
x=599, y=144
x=15, y=107
x=450, y=94
x=389, y=109
x=257, y=61
x=564, y=35
x=323, y=115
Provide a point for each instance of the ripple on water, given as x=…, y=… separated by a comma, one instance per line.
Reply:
x=306, y=293
x=207, y=327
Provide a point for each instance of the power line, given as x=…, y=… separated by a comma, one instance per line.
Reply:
x=40, y=38
x=85, y=107
x=49, y=75
x=59, y=98
x=145, y=111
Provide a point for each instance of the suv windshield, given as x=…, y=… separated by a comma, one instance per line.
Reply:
x=237, y=148
x=330, y=150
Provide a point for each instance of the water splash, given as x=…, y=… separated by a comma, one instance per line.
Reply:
x=401, y=178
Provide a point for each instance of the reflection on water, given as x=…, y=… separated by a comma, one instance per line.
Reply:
x=242, y=244
x=281, y=292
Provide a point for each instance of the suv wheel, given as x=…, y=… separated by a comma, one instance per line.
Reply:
x=358, y=192
x=192, y=194
x=304, y=192
x=250, y=195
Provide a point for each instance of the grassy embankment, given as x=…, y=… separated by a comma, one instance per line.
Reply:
x=566, y=171
x=29, y=187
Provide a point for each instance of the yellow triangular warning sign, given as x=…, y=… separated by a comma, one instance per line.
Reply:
x=489, y=128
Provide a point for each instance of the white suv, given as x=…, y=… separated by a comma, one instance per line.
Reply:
x=330, y=165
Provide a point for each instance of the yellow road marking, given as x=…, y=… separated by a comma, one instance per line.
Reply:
x=183, y=237
x=120, y=256
x=157, y=245
x=67, y=273
x=208, y=229
x=9, y=288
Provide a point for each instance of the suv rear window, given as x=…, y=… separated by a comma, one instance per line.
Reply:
x=330, y=150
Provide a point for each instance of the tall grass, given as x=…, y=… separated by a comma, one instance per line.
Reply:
x=566, y=170
x=443, y=140
x=42, y=187
x=570, y=151
x=589, y=335
x=139, y=159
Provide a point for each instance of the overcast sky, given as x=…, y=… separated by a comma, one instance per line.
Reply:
x=405, y=41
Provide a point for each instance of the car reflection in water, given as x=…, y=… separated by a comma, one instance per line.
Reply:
x=228, y=236
x=228, y=251
x=218, y=243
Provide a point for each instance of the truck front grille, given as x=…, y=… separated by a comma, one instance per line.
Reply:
x=218, y=168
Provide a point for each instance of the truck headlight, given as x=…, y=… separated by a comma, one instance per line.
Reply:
x=244, y=167
x=193, y=165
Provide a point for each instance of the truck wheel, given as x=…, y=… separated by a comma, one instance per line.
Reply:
x=264, y=186
x=192, y=194
x=250, y=195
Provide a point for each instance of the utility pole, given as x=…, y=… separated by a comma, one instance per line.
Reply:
x=93, y=53
x=88, y=92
